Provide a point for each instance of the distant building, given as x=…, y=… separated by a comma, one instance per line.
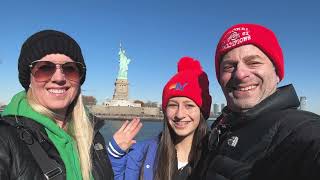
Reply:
x=215, y=109
x=222, y=106
x=2, y=106
x=303, y=103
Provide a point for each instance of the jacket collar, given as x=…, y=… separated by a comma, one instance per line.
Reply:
x=285, y=97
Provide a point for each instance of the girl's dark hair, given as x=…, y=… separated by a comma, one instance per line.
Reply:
x=166, y=164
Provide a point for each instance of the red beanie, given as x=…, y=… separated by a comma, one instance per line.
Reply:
x=191, y=82
x=242, y=34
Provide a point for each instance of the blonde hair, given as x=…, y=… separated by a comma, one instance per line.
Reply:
x=79, y=127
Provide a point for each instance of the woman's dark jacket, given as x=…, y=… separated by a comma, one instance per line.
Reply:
x=17, y=162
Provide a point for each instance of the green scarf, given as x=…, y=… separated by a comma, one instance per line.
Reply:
x=64, y=143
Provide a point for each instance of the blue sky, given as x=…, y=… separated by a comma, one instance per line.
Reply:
x=155, y=34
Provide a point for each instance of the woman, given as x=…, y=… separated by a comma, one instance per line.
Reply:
x=174, y=154
x=45, y=132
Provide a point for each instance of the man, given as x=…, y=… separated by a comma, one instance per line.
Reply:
x=261, y=134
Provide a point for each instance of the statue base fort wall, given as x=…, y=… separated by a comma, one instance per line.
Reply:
x=125, y=112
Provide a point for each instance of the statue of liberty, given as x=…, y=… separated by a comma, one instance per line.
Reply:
x=123, y=64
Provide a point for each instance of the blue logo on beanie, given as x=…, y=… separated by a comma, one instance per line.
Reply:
x=178, y=86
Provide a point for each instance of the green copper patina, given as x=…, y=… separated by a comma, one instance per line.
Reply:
x=123, y=64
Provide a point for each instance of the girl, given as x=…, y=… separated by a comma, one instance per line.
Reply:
x=176, y=151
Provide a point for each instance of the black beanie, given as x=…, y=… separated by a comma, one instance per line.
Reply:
x=43, y=43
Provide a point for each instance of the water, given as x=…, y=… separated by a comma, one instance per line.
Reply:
x=150, y=129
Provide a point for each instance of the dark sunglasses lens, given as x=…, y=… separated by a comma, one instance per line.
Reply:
x=43, y=70
x=72, y=70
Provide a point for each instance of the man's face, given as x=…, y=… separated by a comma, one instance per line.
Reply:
x=247, y=76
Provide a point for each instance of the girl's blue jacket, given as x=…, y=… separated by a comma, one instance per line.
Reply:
x=139, y=159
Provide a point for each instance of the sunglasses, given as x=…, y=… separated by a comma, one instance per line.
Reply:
x=44, y=70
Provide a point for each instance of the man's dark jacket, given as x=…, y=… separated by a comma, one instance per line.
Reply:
x=17, y=162
x=274, y=140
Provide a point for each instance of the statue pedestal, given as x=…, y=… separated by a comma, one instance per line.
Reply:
x=121, y=95
x=121, y=91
